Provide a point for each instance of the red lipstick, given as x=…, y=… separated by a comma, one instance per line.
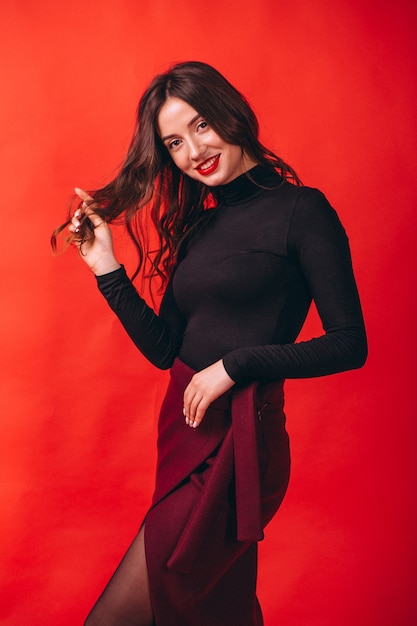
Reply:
x=205, y=171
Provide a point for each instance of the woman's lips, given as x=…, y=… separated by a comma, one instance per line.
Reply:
x=208, y=166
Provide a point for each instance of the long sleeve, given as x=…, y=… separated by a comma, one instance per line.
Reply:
x=317, y=243
x=158, y=337
x=242, y=291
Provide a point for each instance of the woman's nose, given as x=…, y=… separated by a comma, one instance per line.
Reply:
x=197, y=149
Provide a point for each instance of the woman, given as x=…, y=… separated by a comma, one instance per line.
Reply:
x=243, y=250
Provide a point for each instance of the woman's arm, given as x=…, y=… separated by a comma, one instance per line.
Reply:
x=317, y=242
x=157, y=337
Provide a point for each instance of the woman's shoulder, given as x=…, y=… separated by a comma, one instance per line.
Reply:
x=312, y=214
x=303, y=199
x=303, y=193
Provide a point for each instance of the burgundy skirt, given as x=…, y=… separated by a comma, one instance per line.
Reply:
x=217, y=486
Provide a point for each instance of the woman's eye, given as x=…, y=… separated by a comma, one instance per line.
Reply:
x=174, y=144
x=202, y=125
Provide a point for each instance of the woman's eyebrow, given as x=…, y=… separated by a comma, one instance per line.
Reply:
x=190, y=123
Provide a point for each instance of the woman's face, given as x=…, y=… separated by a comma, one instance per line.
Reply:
x=196, y=149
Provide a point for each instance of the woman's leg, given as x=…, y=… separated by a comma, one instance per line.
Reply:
x=125, y=601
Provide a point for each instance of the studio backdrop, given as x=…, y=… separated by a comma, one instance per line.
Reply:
x=333, y=85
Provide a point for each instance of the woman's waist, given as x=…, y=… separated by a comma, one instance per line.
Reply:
x=266, y=391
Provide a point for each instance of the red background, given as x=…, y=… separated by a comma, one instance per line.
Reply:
x=333, y=84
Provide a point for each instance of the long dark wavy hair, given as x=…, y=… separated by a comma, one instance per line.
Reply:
x=149, y=179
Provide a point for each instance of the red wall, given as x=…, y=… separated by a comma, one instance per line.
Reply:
x=333, y=83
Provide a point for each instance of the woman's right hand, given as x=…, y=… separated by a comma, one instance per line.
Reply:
x=98, y=252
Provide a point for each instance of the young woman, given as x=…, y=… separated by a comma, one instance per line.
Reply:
x=243, y=250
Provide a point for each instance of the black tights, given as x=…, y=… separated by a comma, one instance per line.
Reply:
x=125, y=601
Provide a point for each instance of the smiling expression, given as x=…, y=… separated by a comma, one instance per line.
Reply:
x=196, y=149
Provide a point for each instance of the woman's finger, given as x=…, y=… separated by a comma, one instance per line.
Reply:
x=83, y=195
x=200, y=411
x=205, y=387
x=88, y=207
x=195, y=409
x=190, y=407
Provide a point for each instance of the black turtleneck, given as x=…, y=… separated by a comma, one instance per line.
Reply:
x=243, y=289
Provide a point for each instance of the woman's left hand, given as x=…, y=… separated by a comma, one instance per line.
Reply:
x=205, y=387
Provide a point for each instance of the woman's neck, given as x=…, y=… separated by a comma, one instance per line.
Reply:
x=248, y=185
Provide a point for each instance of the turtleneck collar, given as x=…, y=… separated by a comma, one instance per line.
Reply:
x=247, y=185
